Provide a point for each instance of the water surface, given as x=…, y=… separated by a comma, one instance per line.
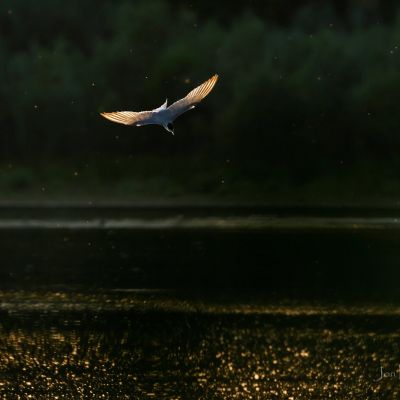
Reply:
x=194, y=303
x=117, y=345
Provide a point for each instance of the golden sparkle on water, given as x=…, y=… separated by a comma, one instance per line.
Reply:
x=178, y=355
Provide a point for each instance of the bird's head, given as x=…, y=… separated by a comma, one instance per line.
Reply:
x=169, y=127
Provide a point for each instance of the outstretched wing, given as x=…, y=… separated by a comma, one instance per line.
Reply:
x=130, y=117
x=194, y=97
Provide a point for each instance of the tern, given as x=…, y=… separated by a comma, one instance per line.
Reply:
x=163, y=115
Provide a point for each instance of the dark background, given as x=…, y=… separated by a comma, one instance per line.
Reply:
x=306, y=109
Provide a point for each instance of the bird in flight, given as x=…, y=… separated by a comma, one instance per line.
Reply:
x=164, y=115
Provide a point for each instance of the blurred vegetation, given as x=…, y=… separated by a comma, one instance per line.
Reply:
x=306, y=107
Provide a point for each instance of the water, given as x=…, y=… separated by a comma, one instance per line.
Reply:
x=117, y=345
x=198, y=304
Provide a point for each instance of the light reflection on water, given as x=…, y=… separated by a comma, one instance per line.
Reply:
x=177, y=349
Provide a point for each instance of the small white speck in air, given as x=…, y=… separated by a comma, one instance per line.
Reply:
x=222, y=181
x=35, y=106
x=43, y=189
x=116, y=137
x=76, y=173
x=93, y=84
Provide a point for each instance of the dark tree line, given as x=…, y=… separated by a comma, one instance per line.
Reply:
x=305, y=89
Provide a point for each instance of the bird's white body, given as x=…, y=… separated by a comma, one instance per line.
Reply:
x=164, y=115
x=159, y=116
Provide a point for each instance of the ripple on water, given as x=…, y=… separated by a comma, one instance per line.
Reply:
x=180, y=353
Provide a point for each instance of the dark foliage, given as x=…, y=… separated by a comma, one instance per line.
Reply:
x=306, y=91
